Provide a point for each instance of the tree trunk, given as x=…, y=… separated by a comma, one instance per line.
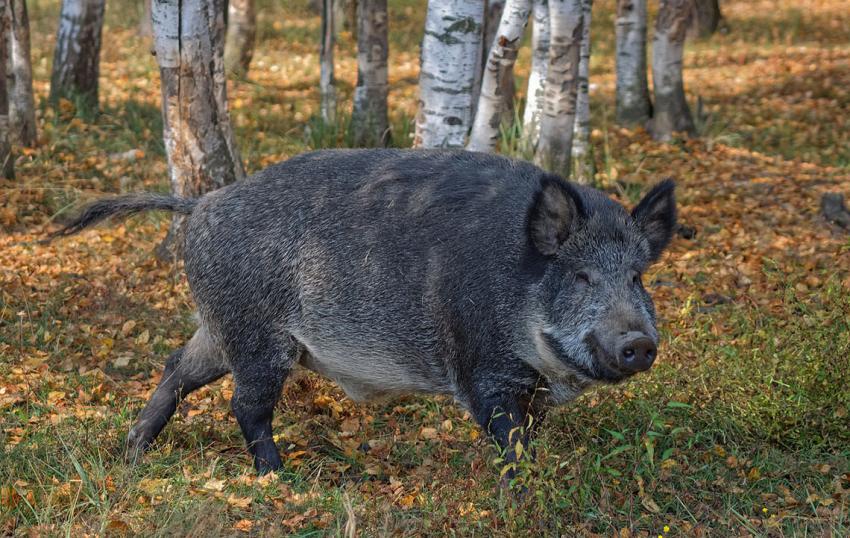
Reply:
x=492, y=19
x=76, y=61
x=6, y=162
x=340, y=9
x=369, y=115
x=671, y=112
x=351, y=21
x=202, y=156
x=537, y=76
x=241, y=35
x=327, y=87
x=633, y=105
x=500, y=65
x=19, y=73
x=706, y=19
x=145, y=29
x=582, y=156
x=451, y=52
x=559, y=107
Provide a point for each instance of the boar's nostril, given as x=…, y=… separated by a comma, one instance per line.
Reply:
x=636, y=352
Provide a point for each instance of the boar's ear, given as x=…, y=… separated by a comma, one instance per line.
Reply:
x=555, y=213
x=656, y=216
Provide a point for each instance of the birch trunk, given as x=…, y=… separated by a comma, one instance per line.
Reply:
x=582, y=156
x=19, y=76
x=633, y=105
x=241, y=36
x=706, y=19
x=559, y=107
x=6, y=163
x=492, y=19
x=369, y=114
x=327, y=88
x=76, y=61
x=537, y=76
x=451, y=57
x=202, y=156
x=500, y=64
x=145, y=29
x=671, y=112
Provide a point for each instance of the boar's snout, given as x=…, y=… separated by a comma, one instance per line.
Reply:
x=635, y=352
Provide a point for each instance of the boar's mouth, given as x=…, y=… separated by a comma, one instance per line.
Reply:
x=600, y=370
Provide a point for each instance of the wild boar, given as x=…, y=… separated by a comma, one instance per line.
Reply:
x=408, y=271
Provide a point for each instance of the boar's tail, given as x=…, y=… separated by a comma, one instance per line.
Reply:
x=122, y=206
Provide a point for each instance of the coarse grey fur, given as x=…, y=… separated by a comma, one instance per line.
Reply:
x=398, y=271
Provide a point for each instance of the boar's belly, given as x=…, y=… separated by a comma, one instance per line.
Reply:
x=368, y=374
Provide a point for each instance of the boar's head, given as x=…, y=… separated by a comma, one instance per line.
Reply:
x=592, y=318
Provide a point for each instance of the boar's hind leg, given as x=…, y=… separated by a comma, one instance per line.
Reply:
x=187, y=369
x=259, y=377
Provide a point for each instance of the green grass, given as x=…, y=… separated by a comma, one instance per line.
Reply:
x=750, y=410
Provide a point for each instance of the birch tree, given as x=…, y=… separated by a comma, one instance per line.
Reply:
x=492, y=18
x=706, y=19
x=327, y=85
x=537, y=76
x=633, y=105
x=202, y=155
x=450, y=59
x=582, y=157
x=19, y=76
x=76, y=60
x=241, y=36
x=500, y=63
x=6, y=163
x=671, y=111
x=369, y=114
x=144, y=29
x=559, y=104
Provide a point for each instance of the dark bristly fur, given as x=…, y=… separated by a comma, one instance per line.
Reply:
x=123, y=206
x=393, y=271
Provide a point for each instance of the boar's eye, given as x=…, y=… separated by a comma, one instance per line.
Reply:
x=583, y=277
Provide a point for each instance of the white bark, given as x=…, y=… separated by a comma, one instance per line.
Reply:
x=559, y=108
x=202, y=155
x=6, y=163
x=451, y=52
x=671, y=111
x=537, y=76
x=19, y=76
x=500, y=62
x=633, y=105
x=241, y=35
x=492, y=19
x=76, y=61
x=582, y=157
x=327, y=85
x=369, y=115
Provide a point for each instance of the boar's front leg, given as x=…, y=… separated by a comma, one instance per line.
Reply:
x=508, y=420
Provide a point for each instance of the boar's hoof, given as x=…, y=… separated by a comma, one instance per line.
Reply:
x=138, y=441
x=517, y=492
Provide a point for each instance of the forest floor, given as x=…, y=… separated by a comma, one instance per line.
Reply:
x=740, y=429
